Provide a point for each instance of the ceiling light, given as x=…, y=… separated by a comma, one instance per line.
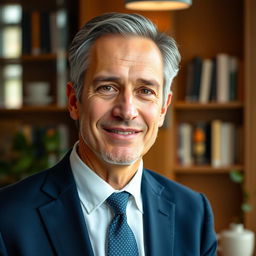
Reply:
x=160, y=5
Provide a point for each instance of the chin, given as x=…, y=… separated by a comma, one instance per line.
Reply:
x=119, y=160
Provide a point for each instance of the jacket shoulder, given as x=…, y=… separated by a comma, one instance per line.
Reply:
x=23, y=190
x=170, y=186
x=29, y=189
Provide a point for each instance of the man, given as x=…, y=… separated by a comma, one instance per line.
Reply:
x=98, y=200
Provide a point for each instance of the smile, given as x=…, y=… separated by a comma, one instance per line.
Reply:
x=121, y=132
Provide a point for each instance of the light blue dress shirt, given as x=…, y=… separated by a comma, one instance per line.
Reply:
x=93, y=191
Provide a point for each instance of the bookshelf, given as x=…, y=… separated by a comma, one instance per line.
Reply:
x=206, y=29
x=49, y=67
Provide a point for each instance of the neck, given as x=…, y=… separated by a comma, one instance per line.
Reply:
x=117, y=176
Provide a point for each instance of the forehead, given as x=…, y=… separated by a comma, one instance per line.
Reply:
x=126, y=49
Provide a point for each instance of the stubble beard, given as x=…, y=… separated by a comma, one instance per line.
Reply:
x=115, y=158
x=119, y=159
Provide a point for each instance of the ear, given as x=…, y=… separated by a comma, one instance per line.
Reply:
x=164, y=109
x=72, y=101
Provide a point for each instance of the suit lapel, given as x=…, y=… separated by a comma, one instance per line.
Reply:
x=158, y=218
x=62, y=216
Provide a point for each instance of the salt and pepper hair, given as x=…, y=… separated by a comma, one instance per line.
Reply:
x=126, y=25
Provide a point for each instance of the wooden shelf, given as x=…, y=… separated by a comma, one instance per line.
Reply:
x=183, y=105
x=40, y=57
x=9, y=60
x=29, y=58
x=34, y=109
x=206, y=169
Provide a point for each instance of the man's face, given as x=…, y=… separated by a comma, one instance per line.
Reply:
x=121, y=107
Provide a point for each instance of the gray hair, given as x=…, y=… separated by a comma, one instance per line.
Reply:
x=123, y=24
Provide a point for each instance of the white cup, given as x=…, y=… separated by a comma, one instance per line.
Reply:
x=236, y=241
x=36, y=90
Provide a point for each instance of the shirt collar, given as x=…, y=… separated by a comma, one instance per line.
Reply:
x=93, y=190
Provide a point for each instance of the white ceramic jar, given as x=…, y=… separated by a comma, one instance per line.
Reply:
x=236, y=241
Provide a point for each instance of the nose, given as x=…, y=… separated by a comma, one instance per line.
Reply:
x=125, y=107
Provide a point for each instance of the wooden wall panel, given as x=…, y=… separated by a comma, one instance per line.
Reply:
x=250, y=110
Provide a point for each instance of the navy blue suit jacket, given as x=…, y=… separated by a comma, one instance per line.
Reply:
x=41, y=216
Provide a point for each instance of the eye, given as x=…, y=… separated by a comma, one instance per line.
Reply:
x=146, y=91
x=106, y=89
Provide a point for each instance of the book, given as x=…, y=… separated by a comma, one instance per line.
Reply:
x=189, y=82
x=45, y=32
x=213, y=82
x=26, y=27
x=206, y=77
x=233, y=78
x=223, y=76
x=197, y=69
x=227, y=144
x=185, y=144
x=54, y=32
x=216, y=143
x=194, y=79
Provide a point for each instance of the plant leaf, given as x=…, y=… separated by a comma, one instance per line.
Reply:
x=236, y=176
x=246, y=207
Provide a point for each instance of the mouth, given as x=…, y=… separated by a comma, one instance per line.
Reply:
x=122, y=131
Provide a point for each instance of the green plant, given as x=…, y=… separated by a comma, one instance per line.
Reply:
x=238, y=177
x=28, y=156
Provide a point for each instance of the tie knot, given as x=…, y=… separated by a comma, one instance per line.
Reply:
x=118, y=202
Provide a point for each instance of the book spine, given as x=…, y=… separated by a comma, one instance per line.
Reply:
x=189, y=82
x=223, y=71
x=204, y=95
x=216, y=143
x=227, y=144
x=213, y=83
x=233, y=78
x=26, y=32
x=45, y=40
x=53, y=32
x=185, y=144
x=197, y=70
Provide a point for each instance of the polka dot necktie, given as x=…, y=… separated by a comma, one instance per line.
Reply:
x=121, y=240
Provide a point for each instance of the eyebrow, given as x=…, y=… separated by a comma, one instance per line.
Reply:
x=148, y=82
x=106, y=79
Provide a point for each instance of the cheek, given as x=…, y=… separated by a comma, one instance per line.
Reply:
x=152, y=117
x=94, y=111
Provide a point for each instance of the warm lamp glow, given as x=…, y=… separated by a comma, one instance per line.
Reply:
x=157, y=5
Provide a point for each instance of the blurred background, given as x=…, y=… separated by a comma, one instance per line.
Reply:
x=208, y=141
